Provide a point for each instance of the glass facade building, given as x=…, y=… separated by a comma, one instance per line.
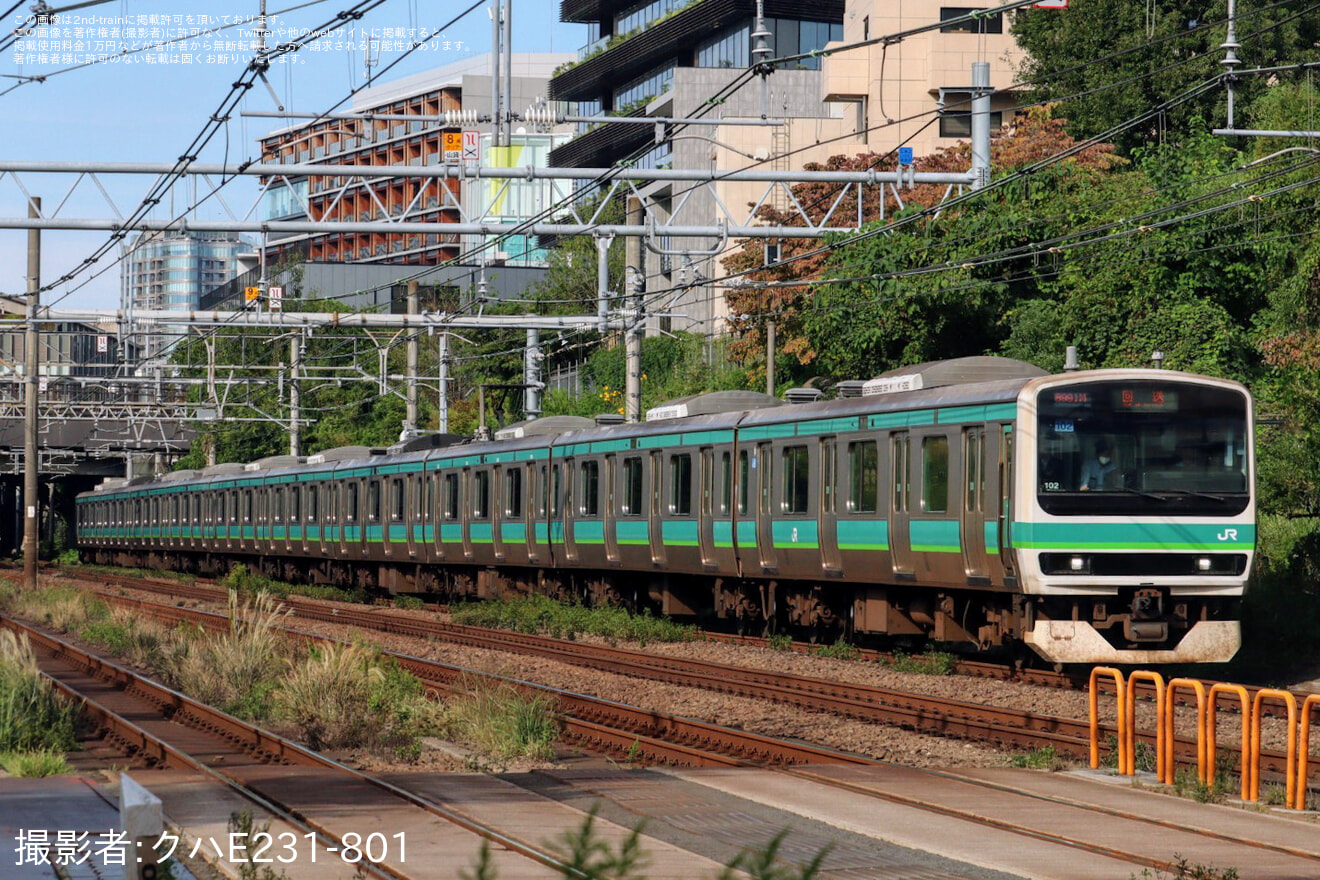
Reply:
x=171, y=271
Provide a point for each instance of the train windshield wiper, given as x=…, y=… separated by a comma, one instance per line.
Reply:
x=1151, y=495
x=1212, y=496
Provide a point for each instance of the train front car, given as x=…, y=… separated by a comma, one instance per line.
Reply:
x=1135, y=516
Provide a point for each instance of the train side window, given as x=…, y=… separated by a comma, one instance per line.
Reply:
x=680, y=485
x=451, y=496
x=554, y=492
x=430, y=496
x=247, y=505
x=481, y=494
x=935, y=474
x=632, y=486
x=590, y=488
x=311, y=504
x=351, y=513
x=295, y=504
x=797, y=479
x=974, y=469
x=707, y=481
x=542, y=489
x=277, y=504
x=864, y=472
x=829, y=452
x=744, y=480
x=419, y=492
x=373, y=501
x=513, y=492
x=901, y=478
x=726, y=483
x=396, y=500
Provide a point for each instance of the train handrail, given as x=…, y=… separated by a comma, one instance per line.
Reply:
x=1204, y=767
x=1211, y=707
x=1290, y=702
x=1304, y=751
x=1093, y=698
x=1130, y=707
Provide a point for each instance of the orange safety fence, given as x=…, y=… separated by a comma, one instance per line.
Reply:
x=1094, y=700
x=1204, y=761
x=1290, y=702
x=1304, y=751
x=1130, y=709
x=1245, y=699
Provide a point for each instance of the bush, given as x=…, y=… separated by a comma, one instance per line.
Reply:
x=840, y=650
x=929, y=662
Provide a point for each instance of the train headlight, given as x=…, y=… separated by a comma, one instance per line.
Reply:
x=1077, y=563
x=1204, y=563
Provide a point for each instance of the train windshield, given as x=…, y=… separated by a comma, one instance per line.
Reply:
x=1142, y=447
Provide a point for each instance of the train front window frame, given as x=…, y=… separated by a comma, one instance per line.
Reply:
x=1142, y=447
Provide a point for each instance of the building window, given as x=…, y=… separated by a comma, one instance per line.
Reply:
x=644, y=87
x=993, y=24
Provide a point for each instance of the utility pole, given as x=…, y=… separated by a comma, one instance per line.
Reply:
x=413, y=347
x=295, y=395
x=770, y=357
x=603, y=243
x=633, y=329
x=495, y=108
x=507, y=48
x=31, y=422
x=443, y=421
x=532, y=375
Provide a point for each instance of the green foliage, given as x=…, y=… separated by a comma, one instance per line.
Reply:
x=248, y=583
x=780, y=642
x=409, y=603
x=1281, y=607
x=1044, y=758
x=1109, y=61
x=33, y=717
x=68, y=557
x=1183, y=869
x=840, y=650
x=500, y=722
x=539, y=614
x=929, y=662
x=245, y=827
x=34, y=764
x=764, y=863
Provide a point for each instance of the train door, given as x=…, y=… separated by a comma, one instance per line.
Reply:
x=416, y=512
x=656, y=527
x=499, y=510
x=974, y=482
x=706, y=508
x=900, y=480
x=569, y=510
x=763, y=468
x=465, y=508
x=610, y=510
x=830, y=559
x=536, y=477
x=1004, y=536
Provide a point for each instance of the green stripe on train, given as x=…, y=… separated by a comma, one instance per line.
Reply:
x=1082, y=535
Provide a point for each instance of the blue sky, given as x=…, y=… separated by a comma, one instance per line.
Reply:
x=150, y=112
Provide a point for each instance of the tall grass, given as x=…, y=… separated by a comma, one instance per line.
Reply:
x=348, y=696
x=246, y=582
x=236, y=670
x=35, y=764
x=32, y=715
x=538, y=614
x=500, y=722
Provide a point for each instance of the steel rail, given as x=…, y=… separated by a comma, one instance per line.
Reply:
x=290, y=751
x=685, y=729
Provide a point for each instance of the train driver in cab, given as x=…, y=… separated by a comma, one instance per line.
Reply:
x=1096, y=470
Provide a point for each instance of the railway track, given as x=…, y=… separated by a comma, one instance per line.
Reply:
x=704, y=745
x=1007, y=728
x=169, y=729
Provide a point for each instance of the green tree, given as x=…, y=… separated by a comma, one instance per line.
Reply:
x=1109, y=61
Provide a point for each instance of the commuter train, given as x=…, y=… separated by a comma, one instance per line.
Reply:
x=955, y=501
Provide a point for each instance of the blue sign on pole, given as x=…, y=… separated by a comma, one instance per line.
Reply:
x=904, y=155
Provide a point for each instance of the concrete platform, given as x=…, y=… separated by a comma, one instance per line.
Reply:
x=74, y=805
x=1100, y=821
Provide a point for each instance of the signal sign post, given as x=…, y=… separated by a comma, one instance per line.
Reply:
x=453, y=144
